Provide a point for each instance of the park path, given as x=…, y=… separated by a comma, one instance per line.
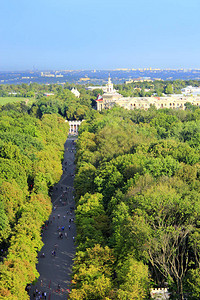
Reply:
x=56, y=270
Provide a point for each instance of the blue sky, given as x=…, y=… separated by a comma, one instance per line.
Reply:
x=99, y=34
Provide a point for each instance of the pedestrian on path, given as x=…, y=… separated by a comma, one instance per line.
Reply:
x=60, y=235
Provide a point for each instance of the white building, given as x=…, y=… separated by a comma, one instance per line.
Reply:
x=191, y=90
x=75, y=92
x=96, y=87
x=111, y=98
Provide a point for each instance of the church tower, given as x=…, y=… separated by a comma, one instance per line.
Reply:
x=109, y=86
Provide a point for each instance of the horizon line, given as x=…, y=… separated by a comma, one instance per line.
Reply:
x=110, y=69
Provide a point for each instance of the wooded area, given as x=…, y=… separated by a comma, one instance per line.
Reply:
x=31, y=150
x=138, y=204
x=137, y=196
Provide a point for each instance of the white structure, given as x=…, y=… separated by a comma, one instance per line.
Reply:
x=108, y=88
x=48, y=94
x=160, y=294
x=191, y=90
x=75, y=92
x=95, y=87
x=73, y=126
x=111, y=98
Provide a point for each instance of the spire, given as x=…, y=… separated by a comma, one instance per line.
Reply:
x=109, y=79
x=109, y=85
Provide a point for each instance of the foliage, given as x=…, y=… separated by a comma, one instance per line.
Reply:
x=30, y=162
x=143, y=167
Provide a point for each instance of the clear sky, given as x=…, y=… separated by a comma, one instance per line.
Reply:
x=99, y=34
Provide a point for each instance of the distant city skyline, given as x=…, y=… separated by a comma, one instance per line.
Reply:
x=96, y=70
x=100, y=34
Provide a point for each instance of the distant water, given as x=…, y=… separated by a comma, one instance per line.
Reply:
x=94, y=76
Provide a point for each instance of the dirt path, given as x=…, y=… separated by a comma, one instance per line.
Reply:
x=56, y=269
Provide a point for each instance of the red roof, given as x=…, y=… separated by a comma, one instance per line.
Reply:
x=99, y=98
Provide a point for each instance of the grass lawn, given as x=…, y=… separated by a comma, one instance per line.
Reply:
x=5, y=100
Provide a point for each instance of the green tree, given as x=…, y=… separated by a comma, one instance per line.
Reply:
x=133, y=280
x=169, y=89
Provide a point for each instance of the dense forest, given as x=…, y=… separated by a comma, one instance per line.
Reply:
x=137, y=195
x=138, y=204
x=32, y=141
x=31, y=151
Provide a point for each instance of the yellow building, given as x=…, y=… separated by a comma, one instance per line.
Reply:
x=111, y=98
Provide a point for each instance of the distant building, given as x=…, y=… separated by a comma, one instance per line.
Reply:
x=75, y=92
x=59, y=75
x=48, y=94
x=13, y=93
x=111, y=98
x=140, y=79
x=84, y=79
x=47, y=74
x=96, y=87
x=191, y=90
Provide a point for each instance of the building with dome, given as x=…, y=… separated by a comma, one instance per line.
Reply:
x=111, y=98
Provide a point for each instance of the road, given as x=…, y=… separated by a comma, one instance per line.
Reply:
x=56, y=269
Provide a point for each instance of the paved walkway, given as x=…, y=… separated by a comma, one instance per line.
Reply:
x=55, y=269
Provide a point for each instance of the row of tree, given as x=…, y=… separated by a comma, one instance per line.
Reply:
x=134, y=89
x=156, y=87
x=31, y=151
x=137, y=204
